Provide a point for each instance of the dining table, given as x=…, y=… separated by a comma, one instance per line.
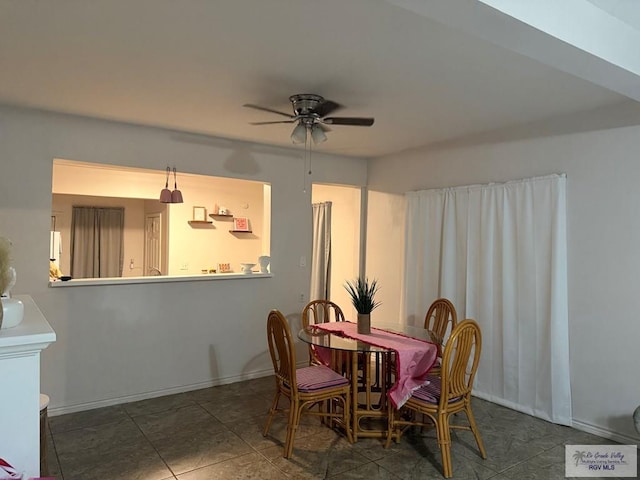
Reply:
x=383, y=367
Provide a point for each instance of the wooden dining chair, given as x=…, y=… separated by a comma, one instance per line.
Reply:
x=440, y=315
x=320, y=311
x=305, y=387
x=445, y=395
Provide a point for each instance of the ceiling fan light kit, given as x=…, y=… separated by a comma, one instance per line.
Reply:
x=310, y=112
x=317, y=134
x=299, y=134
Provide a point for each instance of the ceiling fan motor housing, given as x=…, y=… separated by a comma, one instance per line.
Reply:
x=305, y=103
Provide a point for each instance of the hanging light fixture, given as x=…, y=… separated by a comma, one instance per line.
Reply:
x=299, y=134
x=317, y=133
x=176, y=195
x=165, y=194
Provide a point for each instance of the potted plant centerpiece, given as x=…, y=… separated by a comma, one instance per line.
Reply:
x=362, y=296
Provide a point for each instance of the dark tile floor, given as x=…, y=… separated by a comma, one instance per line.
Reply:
x=215, y=433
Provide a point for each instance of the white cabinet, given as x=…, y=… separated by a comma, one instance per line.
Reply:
x=20, y=349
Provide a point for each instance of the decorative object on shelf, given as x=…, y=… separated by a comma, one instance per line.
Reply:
x=246, y=267
x=199, y=214
x=362, y=295
x=54, y=271
x=223, y=211
x=241, y=224
x=224, y=267
x=264, y=262
x=166, y=195
x=12, y=311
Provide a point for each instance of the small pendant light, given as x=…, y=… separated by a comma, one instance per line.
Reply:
x=176, y=195
x=165, y=194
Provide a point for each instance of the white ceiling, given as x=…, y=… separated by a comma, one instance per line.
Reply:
x=191, y=65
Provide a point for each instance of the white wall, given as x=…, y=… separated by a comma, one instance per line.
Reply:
x=345, y=239
x=120, y=342
x=603, y=213
x=385, y=252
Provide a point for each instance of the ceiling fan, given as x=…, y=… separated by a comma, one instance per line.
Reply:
x=311, y=113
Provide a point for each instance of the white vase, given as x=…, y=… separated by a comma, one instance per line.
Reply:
x=264, y=261
x=12, y=312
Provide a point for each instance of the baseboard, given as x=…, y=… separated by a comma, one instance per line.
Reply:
x=602, y=432
x=54, y=411
x=568, y=421
x=578, y=425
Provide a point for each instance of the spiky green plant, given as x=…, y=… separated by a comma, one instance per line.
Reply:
x=362, y=294
x=5, y=259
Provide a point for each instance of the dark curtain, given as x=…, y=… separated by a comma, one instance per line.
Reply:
x=97, y=242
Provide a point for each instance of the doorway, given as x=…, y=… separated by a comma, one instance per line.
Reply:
x=153, y=244
x=345, y=239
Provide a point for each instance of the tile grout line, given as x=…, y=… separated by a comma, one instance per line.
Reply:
x=55, y=448
x=151, y=444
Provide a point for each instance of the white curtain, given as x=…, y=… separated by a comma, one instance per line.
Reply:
x=499, y=252
x=321, y=252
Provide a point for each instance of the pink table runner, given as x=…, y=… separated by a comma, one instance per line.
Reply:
x=414, y=358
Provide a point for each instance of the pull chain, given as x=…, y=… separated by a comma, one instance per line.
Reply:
x=307, y=161
x=304, y=165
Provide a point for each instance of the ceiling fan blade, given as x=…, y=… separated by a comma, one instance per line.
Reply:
x=357, y=121
x=271, y=123
x=265, y=109
x=326, y=107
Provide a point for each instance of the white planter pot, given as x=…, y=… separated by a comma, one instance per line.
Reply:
x=12, y=312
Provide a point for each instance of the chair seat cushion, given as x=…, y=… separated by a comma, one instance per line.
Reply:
x=431, y=393
x=318, y=377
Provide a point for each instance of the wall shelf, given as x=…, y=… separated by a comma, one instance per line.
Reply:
x=200, y=222
x=216, y=215
x=241, y=231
